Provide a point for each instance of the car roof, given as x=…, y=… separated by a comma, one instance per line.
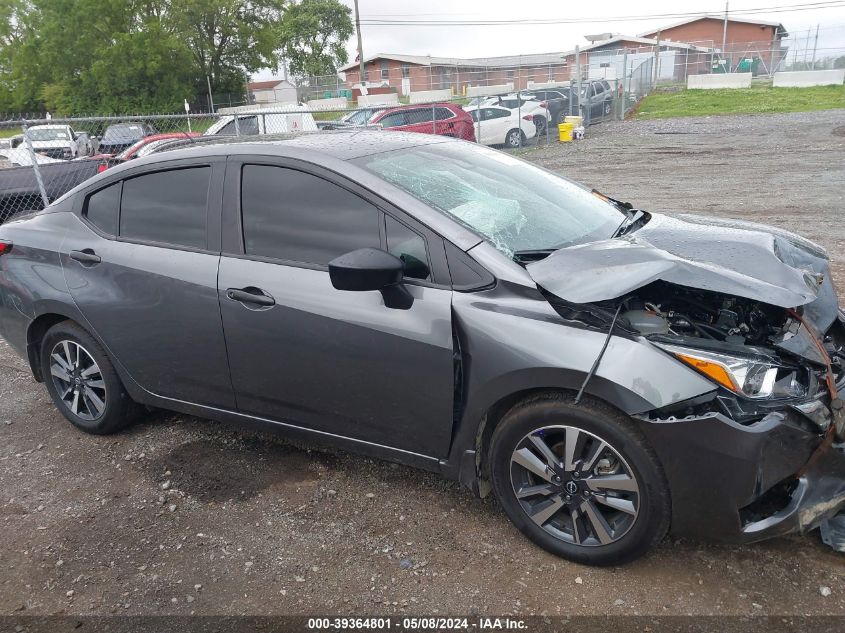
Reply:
x=418, y=106
x=339, y=144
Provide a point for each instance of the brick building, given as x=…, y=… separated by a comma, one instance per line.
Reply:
x=406, y=73
x=745, y=38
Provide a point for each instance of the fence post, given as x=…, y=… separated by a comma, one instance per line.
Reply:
x=624, y=90
x=36, y=169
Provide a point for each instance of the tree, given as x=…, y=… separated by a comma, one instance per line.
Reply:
x=228, y=39
x=314, y=35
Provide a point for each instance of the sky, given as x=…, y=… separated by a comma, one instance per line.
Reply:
x=513, y=39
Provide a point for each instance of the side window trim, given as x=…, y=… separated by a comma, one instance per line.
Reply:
x=83, y=213
x=213, y=206
x=232, y=228
x=208, y=210
x=425, y=241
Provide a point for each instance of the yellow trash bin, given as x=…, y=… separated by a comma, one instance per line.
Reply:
x=576, y=121
x=565, y=131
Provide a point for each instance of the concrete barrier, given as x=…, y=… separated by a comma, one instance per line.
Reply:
x=335, y=103
x=484, y=91
x=390, y=98
x=805, y=78
x=719, y=80
x=427, y=96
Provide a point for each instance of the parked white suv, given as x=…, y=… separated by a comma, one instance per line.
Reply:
x=59, y=141
x=495, y=125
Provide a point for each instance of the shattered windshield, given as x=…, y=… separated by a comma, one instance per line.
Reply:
x=511, y=203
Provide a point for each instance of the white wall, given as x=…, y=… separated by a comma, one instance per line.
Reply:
x=719, y=80
x=390, y=98
x=336, y=103
x=483, y=91
x=427, y=96
x=805, y=78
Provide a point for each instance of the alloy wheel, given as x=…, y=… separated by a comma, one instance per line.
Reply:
x=514, y=138
x=575, y=485
x=78, y=380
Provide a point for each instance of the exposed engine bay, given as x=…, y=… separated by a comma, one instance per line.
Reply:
x=658, y=309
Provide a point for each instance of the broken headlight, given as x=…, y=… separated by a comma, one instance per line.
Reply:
x=747, y=376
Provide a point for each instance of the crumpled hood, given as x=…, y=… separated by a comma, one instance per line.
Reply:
x=727, y=256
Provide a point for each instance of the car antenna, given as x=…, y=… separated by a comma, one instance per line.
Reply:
x=595, y=366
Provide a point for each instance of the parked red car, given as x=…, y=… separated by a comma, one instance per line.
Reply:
x=445, y=119
x=140, y=148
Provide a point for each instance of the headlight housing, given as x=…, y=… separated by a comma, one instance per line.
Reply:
x=745, y=375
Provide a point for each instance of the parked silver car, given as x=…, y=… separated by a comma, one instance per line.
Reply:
x=607, y=372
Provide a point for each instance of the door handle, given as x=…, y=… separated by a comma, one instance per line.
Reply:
x=250, y=295
x=86, y=256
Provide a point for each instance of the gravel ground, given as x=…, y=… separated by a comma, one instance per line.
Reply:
x=180, y=515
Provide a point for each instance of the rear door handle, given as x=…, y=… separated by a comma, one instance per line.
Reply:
x=86, y=256
x=252, y=295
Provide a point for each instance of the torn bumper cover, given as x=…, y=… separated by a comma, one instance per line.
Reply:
x=740, y=483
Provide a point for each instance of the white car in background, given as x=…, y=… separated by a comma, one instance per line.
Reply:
x=496, y=125
x=282, y=120
x=523, y=104
x=59, y=141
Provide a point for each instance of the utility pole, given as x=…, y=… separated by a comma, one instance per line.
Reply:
x=656, y=60
x=725, y=30
x=815, y=46
x=210, y=98
x=360, y=46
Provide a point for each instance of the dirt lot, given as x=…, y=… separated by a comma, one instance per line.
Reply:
x=183, y=515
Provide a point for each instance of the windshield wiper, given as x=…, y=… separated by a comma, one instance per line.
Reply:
x=532, y=255
x=632, y=219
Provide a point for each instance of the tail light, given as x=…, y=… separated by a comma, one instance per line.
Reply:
x=102, y=167
x=543, y=104
x=5, y=247
x=528, y=117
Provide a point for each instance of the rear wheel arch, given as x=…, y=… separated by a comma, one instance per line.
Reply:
x=35, y=335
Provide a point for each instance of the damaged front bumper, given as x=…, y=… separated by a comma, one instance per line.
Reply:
x=740, y=483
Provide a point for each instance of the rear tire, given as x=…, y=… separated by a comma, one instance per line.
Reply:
x=597, y=497
x=82, y=381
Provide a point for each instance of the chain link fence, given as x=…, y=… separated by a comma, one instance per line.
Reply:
x=41, y=159
x=507, y=102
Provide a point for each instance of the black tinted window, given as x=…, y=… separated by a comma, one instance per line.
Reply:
x=102, y=208
x=294, y=216
x=419, y=116
x=393, y=120
x=166, y=206
x=408, y=246
x=247, y=126
x=441, y=114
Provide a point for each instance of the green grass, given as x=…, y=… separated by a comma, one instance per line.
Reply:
x=761, y=99
x=9, y=131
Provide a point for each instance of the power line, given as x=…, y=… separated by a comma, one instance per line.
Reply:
x=373, y=21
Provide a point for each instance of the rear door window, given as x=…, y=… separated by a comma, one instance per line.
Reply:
x=393, y=120
x=295, y=216
x=421, y=115
x=168, y=207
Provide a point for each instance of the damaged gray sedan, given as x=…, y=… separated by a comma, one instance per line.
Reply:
x=610, y=374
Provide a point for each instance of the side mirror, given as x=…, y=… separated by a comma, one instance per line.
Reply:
x=369, y=269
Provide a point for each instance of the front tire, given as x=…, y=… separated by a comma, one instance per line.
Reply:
x=82, y=381
x=515, y=138
x=579, y=480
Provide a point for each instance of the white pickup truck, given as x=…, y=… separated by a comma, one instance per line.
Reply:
x=277, y=120
x=59, y=141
